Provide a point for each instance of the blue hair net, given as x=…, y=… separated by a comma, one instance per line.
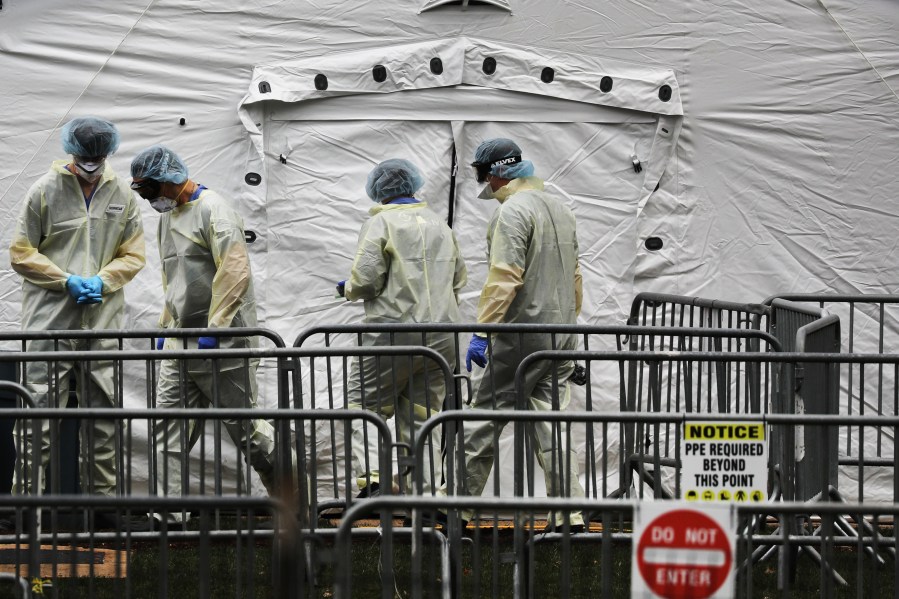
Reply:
x=160, y=164
x=496, y=150
x=89, y=136
x=393, y=178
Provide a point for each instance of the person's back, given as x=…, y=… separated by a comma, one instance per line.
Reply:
x=424, y=268
x=407, y=269
x=533, y=277
x=533, y=220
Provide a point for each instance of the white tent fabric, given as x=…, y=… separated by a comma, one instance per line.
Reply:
x=778, y=173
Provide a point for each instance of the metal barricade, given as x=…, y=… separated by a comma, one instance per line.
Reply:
x=88, y=526
x=598, y=564
x=849, y=545
x=326, y=450
x=257, y=550
x=606, y=385
x=116, y=378
x=758, y=389
x=869, y=325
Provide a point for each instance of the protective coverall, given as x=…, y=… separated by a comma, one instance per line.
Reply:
x=59, y=234
x=407, y=268
x=207, y=282
x=533, y=277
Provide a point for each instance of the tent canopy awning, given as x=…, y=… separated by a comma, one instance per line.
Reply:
x=465, y=61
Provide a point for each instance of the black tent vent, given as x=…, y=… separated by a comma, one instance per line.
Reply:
x=653, y=244
x=665, y=93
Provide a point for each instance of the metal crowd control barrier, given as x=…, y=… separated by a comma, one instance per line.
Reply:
x=283, y=419
x=804, y=531
x=856, y=530
x=337, y=392
x=870, y=324
x=857, y=545
x=577, y=571
x=56, y=342
x=779, y=390
x=260, y=553
x=628, y=391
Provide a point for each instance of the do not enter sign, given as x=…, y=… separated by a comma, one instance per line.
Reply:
x=681, y=552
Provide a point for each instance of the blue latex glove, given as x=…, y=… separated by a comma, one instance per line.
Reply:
x=160, y=341
x=75, y=286
x=477, y=352
x=341, y=288
x=94, y=284
x=207, y=343
x=91, y=290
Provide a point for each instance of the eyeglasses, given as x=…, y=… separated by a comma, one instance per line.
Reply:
x=146, y=187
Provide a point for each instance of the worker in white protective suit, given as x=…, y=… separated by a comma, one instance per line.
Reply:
x=78, y=241
x=407, y=269
x=533, y=277
x=207, y=283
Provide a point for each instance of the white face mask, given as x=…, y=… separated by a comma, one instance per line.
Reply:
x=161, y=205
x=90, y=171
x=486, y=193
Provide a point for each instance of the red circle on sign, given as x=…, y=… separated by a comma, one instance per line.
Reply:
x=684, y=554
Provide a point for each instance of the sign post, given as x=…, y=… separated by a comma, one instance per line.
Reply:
x=680, y=552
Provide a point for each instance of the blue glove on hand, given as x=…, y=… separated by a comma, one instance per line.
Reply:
x=92, y=291
x=75, y=286
x=160, y=341
x=207, y=342
x=477, y=352
x=341, y=288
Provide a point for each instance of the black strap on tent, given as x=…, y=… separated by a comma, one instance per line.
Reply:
x=452, y=187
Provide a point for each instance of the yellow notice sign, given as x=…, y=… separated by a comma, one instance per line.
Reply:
x=710, y=431
x=724, y=461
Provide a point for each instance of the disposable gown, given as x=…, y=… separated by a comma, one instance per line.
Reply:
x=207, y=282
x=58, y=235
x=407, y=268
x=533, y=277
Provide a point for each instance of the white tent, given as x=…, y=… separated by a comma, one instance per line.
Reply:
x=767, y=135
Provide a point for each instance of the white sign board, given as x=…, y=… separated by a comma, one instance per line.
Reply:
x=724, y=461
x=681, y=551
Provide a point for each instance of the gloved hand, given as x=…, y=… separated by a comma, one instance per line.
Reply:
x=160, y=341
x=579, y=376
x=92, y=290
x=477, y=352
x=341, y=288
x=75, y=286
x=207, y=343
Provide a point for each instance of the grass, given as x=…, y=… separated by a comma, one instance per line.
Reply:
x=485, y=569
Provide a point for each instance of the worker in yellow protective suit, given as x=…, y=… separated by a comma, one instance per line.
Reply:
x=207, y=283
x=407, y=269
x=533, y=277
x=78, y=241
